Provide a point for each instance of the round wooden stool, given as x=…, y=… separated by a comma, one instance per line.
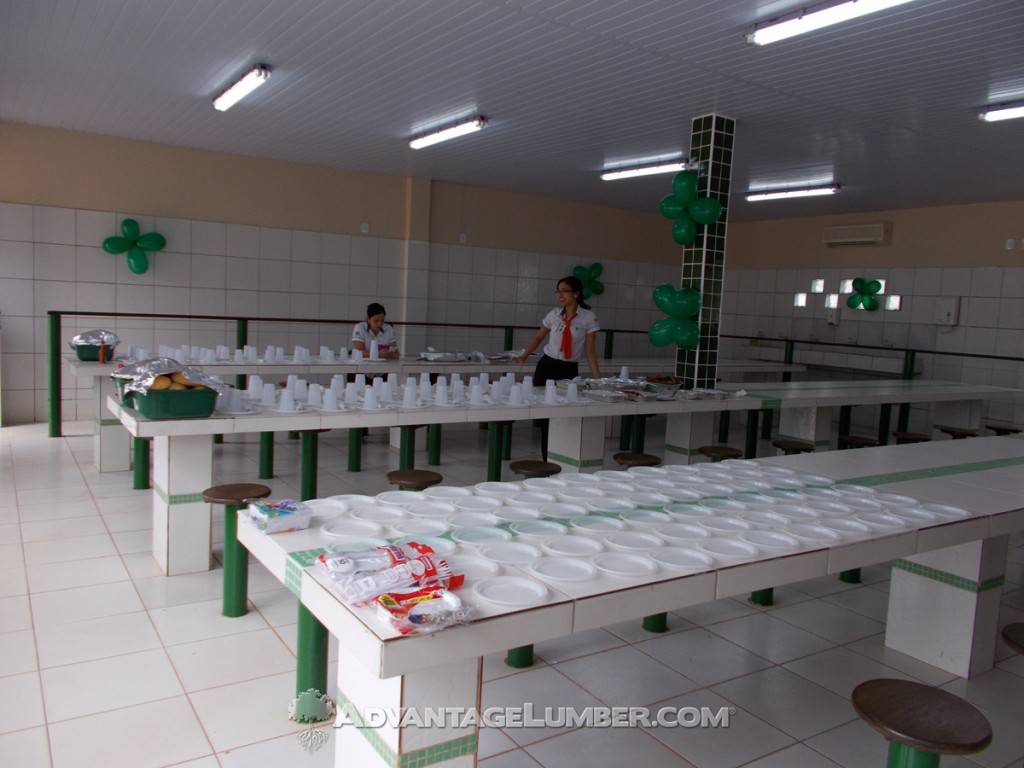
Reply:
x=856, y=441
x=920, y=722
x=906, y=438
x=1013, y=636
x=534, y=468
x=236, y=557
x=791, y=446
x=957, y=433
x=413, y=479
x=720, y=452
x=1003, y=431
x=628, y=459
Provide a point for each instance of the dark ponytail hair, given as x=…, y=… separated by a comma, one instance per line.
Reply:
x=576, y=287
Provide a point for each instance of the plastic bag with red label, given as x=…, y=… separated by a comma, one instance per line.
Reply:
x=424, y=571
x=423, y=610
x=341, y=564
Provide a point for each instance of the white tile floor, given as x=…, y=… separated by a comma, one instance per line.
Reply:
x=105, y=662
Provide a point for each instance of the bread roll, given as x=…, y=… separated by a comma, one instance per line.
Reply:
x=161, y=382
x=176, y=385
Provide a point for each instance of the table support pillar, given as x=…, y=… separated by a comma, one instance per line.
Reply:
x=434, y=445
x=656, y=622
x=406, y=447
x=311, y=653
x=884, y=420
x=236, y=567
x=355, y=449
x=182, y=469
x=266, y=455
x=494, y=430
x=625, y=432
x=576, y=443
x=111, y=443
x=810, y=423
x=764, y=597
x=307, y=479
x=723, y=426
x=750, y=451
x=506, y=440
x=685, y=433
x=845, y=414
x=140, y=463
x=520, y=658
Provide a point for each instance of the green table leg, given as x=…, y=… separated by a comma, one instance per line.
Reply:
x=266, y=455
x=763, y=596
x=904, y=756
x=311, y=653
x=434, y=445
x=639, y=434
x=723, y=427
x=292, y=435
x=307, y=481
x=884, y=417
x=851, y=576
x=545, y=426
x=903, y=418
x=355, y=449
x=236, y=566
x=768, y=417
x=140, y=463
x=506, y=440
x=657, y=622
x=53, y=375
x=520, y=657
x=751, y=447
x=218, y=439
x=406, y=447
x=494, y=451
x=241, y=339
x=625, y=432
x=845, y=412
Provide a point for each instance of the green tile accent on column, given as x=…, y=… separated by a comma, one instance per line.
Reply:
x=925, y=474
x=680, y=449
x=306, y=557
x=177, y=498
x=946, y=577
x=293, y=577
x=575, y=462
x=108, y=422
x=769, y=404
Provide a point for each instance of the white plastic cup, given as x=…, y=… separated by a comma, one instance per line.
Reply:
x=369, y=400
x=278, y=354
x=291, y=382
x=301, y=390
x=378, y=387
x=374, y=350
x=269, y=396
x=255, y=384
x=357, y=355
x=573, y=392
x=409, y=396
x=343, y=355
x=337, y=386
x=360, y=379
x=441, y=392
x=239, y=356
x=287, y=401
x=458, y=390
x=485, y=379
x=624, y=373
x=425, y=390
x=351, y=393
x=315, y=396
x=528, y=381
x=330, y=400
x=515, y=396
x=549, y=393
x=476, y=394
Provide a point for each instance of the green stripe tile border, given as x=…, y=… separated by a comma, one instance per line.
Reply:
x=576, y=462
x=297, y=561
x=680, y=449
x=781, y=436
x=420, y=758
x=933, y=472
x=768, y=403
x=306, y=557
x=177, y=498
x=945, y=577
x=108, y=422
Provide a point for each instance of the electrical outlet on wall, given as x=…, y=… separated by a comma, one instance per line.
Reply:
x=947, y=310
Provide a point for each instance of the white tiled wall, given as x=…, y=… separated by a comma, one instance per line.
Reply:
x=760, y=302
x=50, y=258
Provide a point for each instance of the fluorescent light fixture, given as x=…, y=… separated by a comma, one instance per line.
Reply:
x=799, y=299
x=643, y=170
x=472, y=125
x=780, y=194
x=832, y=301
x=813, y=19
x=252, y=80
x=818, y=285
x=997, y=112
x=893, y=302
x=846, y=286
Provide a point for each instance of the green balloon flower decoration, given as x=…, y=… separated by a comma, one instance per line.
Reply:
x=135, y=245
x=864, y=294
x=686, y=210
x=681, y=305
x=588, y=276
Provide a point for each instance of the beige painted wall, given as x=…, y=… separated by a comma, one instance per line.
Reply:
x=947, y=236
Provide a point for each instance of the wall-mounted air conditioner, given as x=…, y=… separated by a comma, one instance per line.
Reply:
x=856, y=234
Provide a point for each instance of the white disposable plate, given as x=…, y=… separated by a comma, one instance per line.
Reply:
x=533, y=528
x=401, y=498
x=856, y=490
x=544, y=483
x=615, y=475
x=355, y=545
x=709, y=490
x=472, y=519
x=516, y=514
x=847, y=528
x=627, y=564
x=477, y=503
x=749, y=485
x=477, y=536
x=246, y=412
x=771, y=541
x=559, y=510
x=647, y=471
x=797, y=512
x=757, y=499
x=862, y=505
x=299, y=408
x=436, y=543
x=655, y=484
x=883, y=521
x=724, y=524
x=510, y=552
x=831, y=508
x=325, y=509
x=346, y=526
x=385, y=514
x=649, y=500
x=511, y=591
x=682, y=558
x=946, y=512
x=579, y=478
x=435, y=509
x=646, y=518
x=473, y=567
x=421, y=526
x=562, y=569
x=353, y=498
x=687, y=510
x=678, y=494
x=529, y=499
x=785, y=482
x=786, y=495
x=677, y=533
x=814, y=535
x=765, y=520
x=633, y=541
x=572, y=546
x=447, y=492
x=497, y=489
x=609, y=504
x=729, y=550
x=896, y=500
x=914, y=515
x=815, y=480
x=827, y=493
x=725, y=506
x=579, y=494
x=771, y=469
x=616, y=488
x=597, y=524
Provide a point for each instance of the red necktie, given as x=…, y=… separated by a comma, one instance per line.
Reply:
x=567, y=338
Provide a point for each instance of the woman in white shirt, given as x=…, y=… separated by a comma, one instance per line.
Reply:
x=573, y=329
x=375, y=329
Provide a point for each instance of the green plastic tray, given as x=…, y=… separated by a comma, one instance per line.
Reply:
x=175, y=403
x=90, y=353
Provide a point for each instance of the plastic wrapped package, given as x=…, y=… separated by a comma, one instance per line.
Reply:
x=279, y=516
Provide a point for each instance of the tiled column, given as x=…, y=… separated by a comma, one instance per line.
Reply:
x=711, y=144
x=111, y=442
x=944, y=606
x=811, y=424
x=965, y=414
x=392, y=745
x=685, y=433
x=577, y=444
x=182, y=470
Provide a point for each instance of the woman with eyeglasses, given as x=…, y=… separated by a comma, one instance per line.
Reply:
x=573, y=329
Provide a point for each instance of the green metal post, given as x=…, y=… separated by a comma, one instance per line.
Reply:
x=53, y=362
x=506, y=440
x=788, y=360
x=509, y=333
x=406, y=447
x=639, y=434
x=520, y=657
x=656, y=622
x=140, y=463
x=909, y=363
x=625, y=432
x=763, y=596
x=241, y=339
x=844, y=421
x=723, y=427
x=884, y=418
x=903, y=417
x=905, y=756
x=311, y=653
x=266, y=455
x=236, y=566
x=851, y=576
x=307, y=480
x=494, y=451
x=434, y=445
x=609, y=344
x=355, y=449
x=218, y=439
x=751, y=447
x=768, y=418
x=293, y=435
